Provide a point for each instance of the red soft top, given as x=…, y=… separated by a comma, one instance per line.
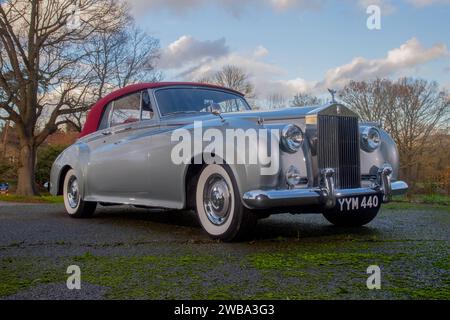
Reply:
x=95, y=114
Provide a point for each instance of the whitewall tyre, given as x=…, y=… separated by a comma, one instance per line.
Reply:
x=75, y=206
x=219, y=206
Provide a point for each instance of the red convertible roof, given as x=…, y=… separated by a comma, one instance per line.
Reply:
x=95, y=114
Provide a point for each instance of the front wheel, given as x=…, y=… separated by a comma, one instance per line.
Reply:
x=351, y=219
x=75, y=206
x=219, y=207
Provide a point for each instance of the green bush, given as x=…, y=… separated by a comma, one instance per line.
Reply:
x=8, y=171
x=4, y=168
x=45, y=158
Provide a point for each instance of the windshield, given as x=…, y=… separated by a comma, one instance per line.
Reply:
x=186, y=100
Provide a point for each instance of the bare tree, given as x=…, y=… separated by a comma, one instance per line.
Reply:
x=43, y=71
x=275, y=101
x=305, y=99
x=118, y=59
x=122, y=58
x=369, y=99
x=411, y=110
x=234, y=78
x=420, y=109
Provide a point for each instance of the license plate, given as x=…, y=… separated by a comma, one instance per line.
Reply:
x=349, y=204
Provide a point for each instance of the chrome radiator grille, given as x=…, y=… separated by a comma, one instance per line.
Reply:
x=338, y=148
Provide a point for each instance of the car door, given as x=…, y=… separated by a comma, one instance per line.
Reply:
x=118, y=167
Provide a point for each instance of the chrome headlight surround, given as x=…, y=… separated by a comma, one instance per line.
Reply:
x=291, y=138
x=370, y=138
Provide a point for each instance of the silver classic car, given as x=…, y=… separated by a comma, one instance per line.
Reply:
x=201, y=147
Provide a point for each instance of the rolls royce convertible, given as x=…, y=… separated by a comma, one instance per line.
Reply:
x=320, y=159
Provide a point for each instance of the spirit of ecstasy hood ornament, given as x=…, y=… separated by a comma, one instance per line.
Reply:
x=333, y=93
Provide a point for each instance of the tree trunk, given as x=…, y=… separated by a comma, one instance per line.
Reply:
x=27, y=160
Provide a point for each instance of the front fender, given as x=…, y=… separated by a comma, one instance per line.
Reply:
x=248, y=176
x=386, y=153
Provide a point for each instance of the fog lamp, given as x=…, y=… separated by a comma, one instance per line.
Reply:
x=292, y=176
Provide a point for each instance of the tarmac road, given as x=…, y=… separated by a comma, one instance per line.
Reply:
x=129, y=253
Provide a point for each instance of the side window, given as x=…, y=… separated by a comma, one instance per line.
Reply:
x=232, y=105
x=105, y=118
x=147, y=109
x=126, y=109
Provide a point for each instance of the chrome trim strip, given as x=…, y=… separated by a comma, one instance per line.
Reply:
x=262, y=199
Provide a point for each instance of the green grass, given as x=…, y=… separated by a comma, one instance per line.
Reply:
x=31, y=199
x=290, y=262
x=434, y=201
x=149, y=277
x=411, y=206
x=287, y=271
x=19, y=273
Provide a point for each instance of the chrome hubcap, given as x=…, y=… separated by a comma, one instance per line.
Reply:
x=217, y=199
x=72, y=192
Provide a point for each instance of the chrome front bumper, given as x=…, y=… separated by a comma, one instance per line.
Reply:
x=326, y=195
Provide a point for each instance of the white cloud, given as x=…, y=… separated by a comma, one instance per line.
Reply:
x=187, y=50
x=191, y=59
x=237, y=7
x=409, y=55
x=178, y=6
x=254, y=67
x=425, y=3
x=234, y=6
x=288, y=4
x=386, y=6
x=260, y=51
x=289, y=88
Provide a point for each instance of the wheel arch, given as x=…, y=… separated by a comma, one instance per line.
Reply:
x=61, y=177
x=192, y=172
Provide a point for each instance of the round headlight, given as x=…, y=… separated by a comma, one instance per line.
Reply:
x=291, y=138
x=370, y=139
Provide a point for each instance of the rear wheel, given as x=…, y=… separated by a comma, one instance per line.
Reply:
x=75, y=206
x=351, y=219
x=219, y=207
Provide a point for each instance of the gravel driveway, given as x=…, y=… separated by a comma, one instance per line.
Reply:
x=128, y=253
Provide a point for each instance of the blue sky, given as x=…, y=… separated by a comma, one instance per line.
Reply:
x=297, y=45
